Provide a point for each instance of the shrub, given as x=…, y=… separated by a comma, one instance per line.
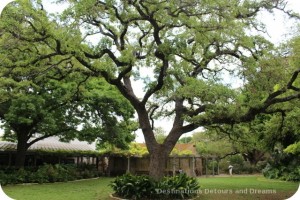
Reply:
x=45, y=174
x=13, y=177
x=3, y=178
x=133, y=187
x=178, y=187
x=283, y=166
x=212, y=166
x=282, y=173
x=144, y=187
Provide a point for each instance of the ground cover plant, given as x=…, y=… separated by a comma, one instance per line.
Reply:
x=99, y=189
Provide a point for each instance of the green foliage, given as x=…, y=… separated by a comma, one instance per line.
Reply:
x=282, y=173
x=177, y=152
x=51, y=93
x=236, y=160
x=240, y=166
x=244, y=167
x=185, y=140
x=208, y=143
x=212, y=167
x=143, y=187
x=134, y=187
x=178, y=187
x=282, y=137
x=160, y=134
x=135, y=149
x=283, y=166
x=293, y=148
x=109, y=115
x=47, y=174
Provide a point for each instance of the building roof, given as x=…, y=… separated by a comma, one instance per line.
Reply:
x=50, y=144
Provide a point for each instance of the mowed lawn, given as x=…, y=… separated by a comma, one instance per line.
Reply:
x=94, y=189
x=245, y=188
x=239, y=187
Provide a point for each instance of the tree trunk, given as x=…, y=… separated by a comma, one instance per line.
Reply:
x=158, y=159
x=159, y=153
x=21, y=155
x=22, y=147
x=254, y=156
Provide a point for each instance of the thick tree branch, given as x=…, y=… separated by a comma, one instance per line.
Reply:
x=160, y=82
x=109, y=53
x=228, y=154
x=38, y=139
x=151, y=111
x=292, y=80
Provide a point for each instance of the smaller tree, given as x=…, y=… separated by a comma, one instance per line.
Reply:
x=43, y=94
x=211, y=144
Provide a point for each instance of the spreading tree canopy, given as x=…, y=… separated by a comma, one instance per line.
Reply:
x=44, y=94
x=178, y=50
x=275, y=132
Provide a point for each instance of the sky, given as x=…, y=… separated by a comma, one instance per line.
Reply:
x=278, y=25
x=278, y=28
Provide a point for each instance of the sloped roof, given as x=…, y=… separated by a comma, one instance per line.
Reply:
x=7, y=146
x=51, y=144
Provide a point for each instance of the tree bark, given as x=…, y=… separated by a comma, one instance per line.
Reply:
x=21, y=154
x=22, y=145
x=254, y=156
x=158, y=159
x=159, y=155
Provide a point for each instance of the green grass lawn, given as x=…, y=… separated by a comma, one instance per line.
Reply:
x=245, y=188
x=95, y=189
x=211, y=188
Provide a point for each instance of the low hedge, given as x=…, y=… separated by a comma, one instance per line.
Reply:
x=144, y=187
x=46, y=174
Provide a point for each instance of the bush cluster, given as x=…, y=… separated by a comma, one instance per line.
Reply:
x=46, y=174
x=240, y=166
x=134, y=187
x=286, y=173
x=144, y=187
x=284, y=167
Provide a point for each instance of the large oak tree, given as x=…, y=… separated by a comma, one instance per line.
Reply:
x=185, y=47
